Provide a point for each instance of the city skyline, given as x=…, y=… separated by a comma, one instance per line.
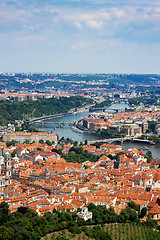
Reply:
x=76, y=36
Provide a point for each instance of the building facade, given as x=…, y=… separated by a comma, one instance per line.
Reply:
x=31, y=137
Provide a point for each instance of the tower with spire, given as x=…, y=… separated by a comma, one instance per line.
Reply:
x=6, y=168
x=2, y=177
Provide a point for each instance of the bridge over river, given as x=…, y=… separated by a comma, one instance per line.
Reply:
x=48, y=124
x=103, y=109
x=110, y=140
x=45, y=118
x=121, y=140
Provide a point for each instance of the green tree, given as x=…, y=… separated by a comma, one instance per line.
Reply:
x=74, y=229
x=10, y=111
x=143, y=212
x=75, y=143
x=13, y=154
x=39, y=149
x=48, y=143
x=151, y=126
x=77, y=150
x=133, y=205
x=76, y=154
x=4, y=212
x=91, y=206
x=12, y=143
x=6, y=233
x=26, y=141
x=149, y=156
x=17, y=128
x=85, y=166
x=128, y=215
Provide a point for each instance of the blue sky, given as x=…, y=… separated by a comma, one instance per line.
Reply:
x=80, y=36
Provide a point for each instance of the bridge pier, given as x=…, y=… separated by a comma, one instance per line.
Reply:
x=42, y=124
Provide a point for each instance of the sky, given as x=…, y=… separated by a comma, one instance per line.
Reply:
x=80, y=36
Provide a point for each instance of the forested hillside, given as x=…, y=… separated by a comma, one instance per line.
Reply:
x=25, y=224
x=11, y=111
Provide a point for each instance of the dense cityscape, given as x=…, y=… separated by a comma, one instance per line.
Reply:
x=79, y=120
x=46, y=174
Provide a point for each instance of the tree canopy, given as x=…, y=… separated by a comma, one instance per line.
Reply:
x=11, y=111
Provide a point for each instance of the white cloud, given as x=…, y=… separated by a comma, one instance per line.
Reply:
x=95, y=19
x=78, y=25
x=31, y=28
x=119, y=13
x=95, y=24
x=9, y=14
x=115, y=18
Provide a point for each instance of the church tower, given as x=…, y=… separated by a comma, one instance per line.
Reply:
x=6, y=168
x=2, y=177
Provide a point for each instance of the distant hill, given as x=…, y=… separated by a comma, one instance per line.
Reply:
x=42, y=81
x=11, y=111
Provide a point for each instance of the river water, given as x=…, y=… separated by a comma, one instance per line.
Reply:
x=67, y=132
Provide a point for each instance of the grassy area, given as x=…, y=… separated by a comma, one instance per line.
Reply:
x=117, y=231
x=131, y=231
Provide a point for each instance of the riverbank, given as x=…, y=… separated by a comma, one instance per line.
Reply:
x=48, y=117
x=66, y=131
x=59, y=115
x=119, y=139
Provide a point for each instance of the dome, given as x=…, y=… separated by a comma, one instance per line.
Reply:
x=6, y=155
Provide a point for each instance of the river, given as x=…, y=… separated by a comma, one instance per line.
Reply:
x=66, y=131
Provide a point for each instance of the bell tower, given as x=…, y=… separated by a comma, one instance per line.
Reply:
x=6, y=168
